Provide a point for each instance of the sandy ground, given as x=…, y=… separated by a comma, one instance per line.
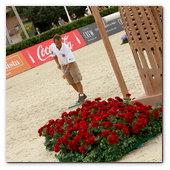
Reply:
x=40, y=94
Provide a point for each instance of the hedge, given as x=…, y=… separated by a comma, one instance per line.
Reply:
x=59, y=30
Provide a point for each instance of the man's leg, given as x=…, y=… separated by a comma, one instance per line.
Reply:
x=80, y=87
x=75, y=87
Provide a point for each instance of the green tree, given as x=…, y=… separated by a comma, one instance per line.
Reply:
x=42, y=16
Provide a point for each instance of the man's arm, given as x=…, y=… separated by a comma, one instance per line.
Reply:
x=56, y=60
x=68, y=66
x=67, y=69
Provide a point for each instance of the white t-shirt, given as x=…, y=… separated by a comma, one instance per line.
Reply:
x=65, y=55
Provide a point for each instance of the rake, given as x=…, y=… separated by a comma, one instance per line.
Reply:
x=77, y=104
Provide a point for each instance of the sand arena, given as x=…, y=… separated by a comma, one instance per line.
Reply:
x=40, y=94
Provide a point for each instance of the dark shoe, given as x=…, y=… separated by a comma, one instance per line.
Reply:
x=81, y=99
x=82, y=96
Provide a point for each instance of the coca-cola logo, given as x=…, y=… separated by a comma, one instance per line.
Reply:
x=43, y=52
x=65, y=41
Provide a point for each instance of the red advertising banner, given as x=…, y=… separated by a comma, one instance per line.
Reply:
x=74, y=40
x=40, y=53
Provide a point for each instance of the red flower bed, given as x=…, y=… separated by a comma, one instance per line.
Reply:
x=98, y=123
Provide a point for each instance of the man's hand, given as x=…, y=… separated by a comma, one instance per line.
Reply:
x=59, y=66
x=65, y=75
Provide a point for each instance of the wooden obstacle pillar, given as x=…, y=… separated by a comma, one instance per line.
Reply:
x=109, y=50
x=143, y=27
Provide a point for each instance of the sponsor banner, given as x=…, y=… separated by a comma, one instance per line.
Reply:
x=90, y=33
x=15, y=64
x=40, y=53
x=74, y=40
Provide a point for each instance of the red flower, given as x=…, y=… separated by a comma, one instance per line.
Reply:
x=128, y=95
x=135, y=130
x=71, y=113
x=160, y=109
x=103, y=108
x=77, y=120
x=48, y=130
x=131, y=108
x=125, y=131
x=87, y=135
x=69, y=121
x=109, y=124
x=125, y=126
x=78, y=109
x=94, y=124
x=113, y=139
x=70, y=146
x=122, y=115
x=56, y=148
x=103, y=124
x=64, y=114
x=98, y=113
x=118, y=126
x=81, y=135
x=90, y=141
x=51, y=121
x=140, y=109
x=82, y=149
x=61, y=131
x=119, y=104
x=97, y=99
x=59, y=141
x=65, y=139
x=142, y=116
x=129, y=117
x=76, y=127
x=148, y=107
x=98, y=118
x=52, y=133
x=110, y=99
x=144, y=122
x=105, y=116
x=92, y=116
x=105, y=133
x=147, y=113
x=95, y=107
x=40, y=131
x=113, y=132
x=76, y=139
x=118, y=99
x=112, y=112
x=139, y=104
x=156, y=114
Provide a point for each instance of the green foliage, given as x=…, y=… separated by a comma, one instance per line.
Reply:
x=27, y=12
x=29, y=26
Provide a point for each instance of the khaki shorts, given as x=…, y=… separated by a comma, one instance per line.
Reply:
x=74, y=75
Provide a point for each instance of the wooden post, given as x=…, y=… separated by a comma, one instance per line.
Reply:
x=109, y=50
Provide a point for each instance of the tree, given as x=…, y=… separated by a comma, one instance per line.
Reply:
x=43, y=16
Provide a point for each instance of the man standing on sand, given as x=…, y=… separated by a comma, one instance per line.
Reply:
x=72, y=73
